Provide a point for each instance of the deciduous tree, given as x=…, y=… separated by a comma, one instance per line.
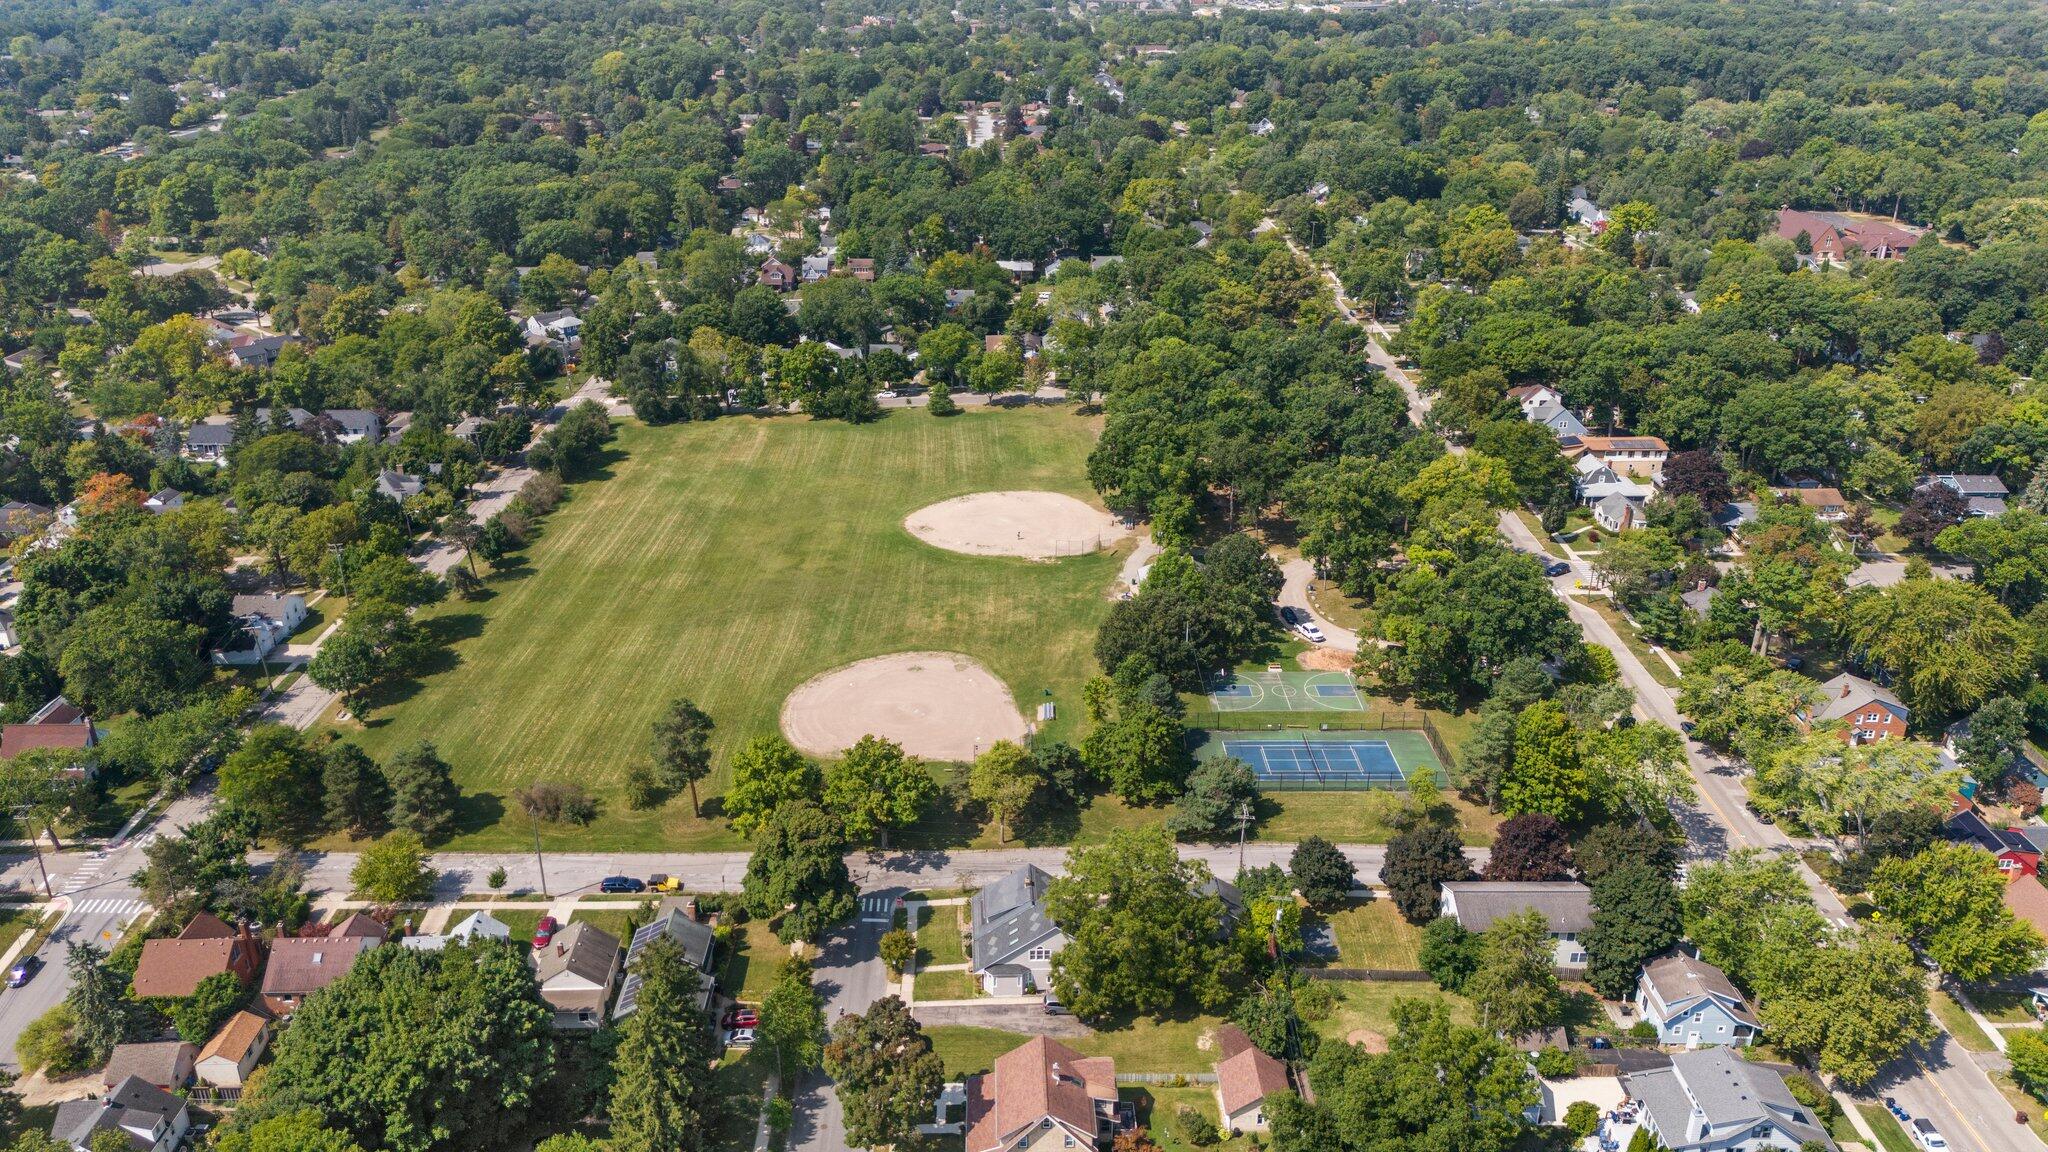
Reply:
x=887, y=1074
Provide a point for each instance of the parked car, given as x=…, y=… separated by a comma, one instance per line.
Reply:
x=1927, y=1136
x=545, y=931
x=739, y=1038
x=621, y=884
x=1055, y=1008
x=886, y=394
x=23, y=972
x=740, y=1017
x=1556, y=568
x=1289, y=617
x=1308, y=631
x=662, y=882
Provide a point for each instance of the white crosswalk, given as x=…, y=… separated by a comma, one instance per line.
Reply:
x=107, y=907
x=86, y=876
x=877, y=909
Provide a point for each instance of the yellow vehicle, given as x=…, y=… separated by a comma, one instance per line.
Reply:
x=661, y=882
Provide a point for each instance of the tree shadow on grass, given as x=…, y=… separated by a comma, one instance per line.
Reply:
x=477, y=811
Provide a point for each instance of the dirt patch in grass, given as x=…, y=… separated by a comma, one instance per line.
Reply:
x=1033, y=525
x=939, y=705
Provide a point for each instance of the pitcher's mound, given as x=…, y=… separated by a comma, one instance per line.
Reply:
x=1035, y=525
x=938, y=705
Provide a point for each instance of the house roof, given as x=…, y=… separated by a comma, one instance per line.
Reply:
x=158, y=1062
x=268, y=604
x=1847, y=693
x=175, y=967
x=1247, y=1078
x=1008, y=916
x=133, y=1101
x=1599, y=444
x=235, y=1038
x=581, y=950
x=1730, y=1093
x=358, y=924
x=1566, y=904
x=18, y=738
x=2025, y=898
x=1679, y=979
x=1041, y=1080
x=696, y=940
x=1812, y=497
x=1968, y=826
x=207, y=926
x=1974, y=484
x=301, y=965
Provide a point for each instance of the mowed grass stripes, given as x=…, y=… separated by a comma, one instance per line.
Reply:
x=729, y=562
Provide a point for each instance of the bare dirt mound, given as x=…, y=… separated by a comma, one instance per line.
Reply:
x=1372, y=1041
x=938, y=705
x=1034, y=525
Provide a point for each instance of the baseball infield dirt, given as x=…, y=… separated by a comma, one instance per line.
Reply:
x=1034, y=525
x=938, y=705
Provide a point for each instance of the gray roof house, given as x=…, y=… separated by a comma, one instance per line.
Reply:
x=1693, y=1003
x=697, y=942
x=209, y=439
x=355, y=424
x=151, y=1118
x=398, y=485
x=1985, y=495
x=1712, y=1100
x=1871, y=710
x=576, y=971
x=1011, y=939
x=1566, y=904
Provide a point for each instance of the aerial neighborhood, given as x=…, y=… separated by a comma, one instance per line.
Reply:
x=1139, y=576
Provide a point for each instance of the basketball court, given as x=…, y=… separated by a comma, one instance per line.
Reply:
x=1286, y=690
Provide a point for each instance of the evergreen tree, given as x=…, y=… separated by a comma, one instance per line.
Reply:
x=662, y=1095
x=682, y=748
x=358, y=797
x=423, y=793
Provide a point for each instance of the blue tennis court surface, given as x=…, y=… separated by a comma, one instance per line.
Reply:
x=1233, y=691
x=1327, y=761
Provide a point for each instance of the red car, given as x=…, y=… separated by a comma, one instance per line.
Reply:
x=545, y=931
x=741, y=1018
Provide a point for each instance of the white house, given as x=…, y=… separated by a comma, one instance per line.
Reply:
x=1246, y=1078
x=1567, y=905
x=561, y=330
x=231, y=1055
x=475, y=926
x=164, y=500
x=266, y=622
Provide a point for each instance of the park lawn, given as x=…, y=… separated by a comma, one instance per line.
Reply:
x=1372, y=934
x=2023, y=1101
x=752, y=962
x=1958, y=1022
x=1885, y=1126
x=947, y=986
x=1358, y=817
x=938, y=936
x=1369, y=1005
x=1157, y=1105
x=729, y=562
x=1339, y=607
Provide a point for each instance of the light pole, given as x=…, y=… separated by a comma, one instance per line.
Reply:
x=537, y=863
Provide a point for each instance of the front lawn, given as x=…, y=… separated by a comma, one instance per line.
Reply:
x=730, y=561
x=947, y=986
x=1358, y=817
x=938, y=936
x=1958, y=1022
x=1182, y=1045
x=752, y=962
x=1369, y=1005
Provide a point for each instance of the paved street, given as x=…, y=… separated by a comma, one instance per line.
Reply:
x=849, y=977
x=1296, y=575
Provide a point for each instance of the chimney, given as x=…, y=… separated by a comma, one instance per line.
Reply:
x=1845, y=689
x=1055, y=1071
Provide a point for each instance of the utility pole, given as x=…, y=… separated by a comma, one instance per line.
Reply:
x=1244, y=819
x=536, y=855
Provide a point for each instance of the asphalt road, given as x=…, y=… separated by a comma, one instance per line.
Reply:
x=850, y=976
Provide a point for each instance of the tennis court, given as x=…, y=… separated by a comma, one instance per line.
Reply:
x=1286, y=691
x=1318, y=760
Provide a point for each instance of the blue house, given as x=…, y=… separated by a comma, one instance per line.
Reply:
x=1692, y=1003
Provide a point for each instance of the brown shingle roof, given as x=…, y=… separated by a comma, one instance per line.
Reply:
x=1024, y=1089
x=235, y=1038
x=301, y=966
x=175, y=967
x=1247, y=1078
x=591, y=953
x=207, y=926
x=18, y=738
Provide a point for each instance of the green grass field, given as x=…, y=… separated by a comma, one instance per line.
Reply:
x=729, y=562
x=1373, y=935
